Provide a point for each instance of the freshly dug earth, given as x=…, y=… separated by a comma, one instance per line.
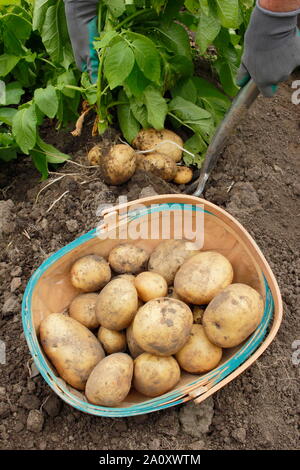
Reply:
x=257, y=181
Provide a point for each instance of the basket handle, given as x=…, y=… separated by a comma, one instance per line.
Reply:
x=197, y=393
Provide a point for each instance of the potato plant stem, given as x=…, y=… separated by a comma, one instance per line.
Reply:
x=132, y=17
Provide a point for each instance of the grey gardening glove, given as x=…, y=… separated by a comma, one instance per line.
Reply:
x=272, y=49
x=82, y=25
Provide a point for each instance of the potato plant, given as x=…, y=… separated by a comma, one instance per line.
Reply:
x=146, y=78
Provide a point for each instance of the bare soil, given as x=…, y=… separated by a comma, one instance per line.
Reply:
x=257, y=181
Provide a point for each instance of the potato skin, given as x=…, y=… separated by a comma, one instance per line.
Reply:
x=199, y=354
x=150, y=286
x=71, y=347
x=147, y=139
x=233, y=315
x=90, y=273
x=184, y=175
x=154, y=376
x=162, y=326
x=202, y=277
x=110, y=381
x=82, y=309
x=168, y=256
x=117, y=304
x=133, y=347
x=128, y=258
x=158, y=164
x=112, y=341
x=118, y=165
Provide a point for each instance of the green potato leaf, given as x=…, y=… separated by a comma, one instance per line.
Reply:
x=24, y=128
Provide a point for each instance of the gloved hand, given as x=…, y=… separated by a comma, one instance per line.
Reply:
x=82, y=25
x=272, y=49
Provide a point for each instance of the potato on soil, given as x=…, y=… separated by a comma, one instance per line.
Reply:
x=154, y=376
x=117, y=304
x=90, y=273
x=94, y=156
x=184, y=175
x=158, y=164
x=110, y=381
x=150, y=286
x=128, y=259
x=233, y=315
x=202, y=277
x=198, y=313
x=118, y=165
x=82, y=309
x=112, y=341
x=71, y=347
x=149, y=139
x=168, y=256
x=162, y=326
x=133, y=347
x=199, y=354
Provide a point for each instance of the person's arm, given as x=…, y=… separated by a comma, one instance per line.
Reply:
x=272, y=45
x=280, y=5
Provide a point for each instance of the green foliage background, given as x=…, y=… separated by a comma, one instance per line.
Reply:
x=146, y=74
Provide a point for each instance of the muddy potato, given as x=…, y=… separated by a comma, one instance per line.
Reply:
x=118, y=165
x=133, y=347
x=158, y=164
x=71, y=347
x=198, y=313
x=112, y=341
x=233, y=315
x=150, y=286
x=90, y=273
x=199, y=354
x=82, y=309
x=168, y=256
x=162, y=326
x=110, y=381
x=149, y=139
x=154, y=375
x=202, y=277
x=184, y=175
x=94, y=156
x=128, y=259
x=117, y=304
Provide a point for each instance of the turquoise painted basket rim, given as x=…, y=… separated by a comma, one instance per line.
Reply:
x=167, y=400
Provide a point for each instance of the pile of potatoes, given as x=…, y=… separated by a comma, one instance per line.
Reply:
x=120, y=162
x=142, y=318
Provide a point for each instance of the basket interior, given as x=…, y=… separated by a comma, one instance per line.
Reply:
x=53, y=292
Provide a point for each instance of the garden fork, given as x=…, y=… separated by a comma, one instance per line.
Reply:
x=238, y=109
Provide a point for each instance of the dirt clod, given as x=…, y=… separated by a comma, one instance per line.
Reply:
x=196, y=419
x=72, y=225
x=11, y=305
x=35, y=421
x=240, y=435
x=53, y=406
x=16, y=282
x=7, y=224
x=30, y=402
x=197, y=445
x=4, y=410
